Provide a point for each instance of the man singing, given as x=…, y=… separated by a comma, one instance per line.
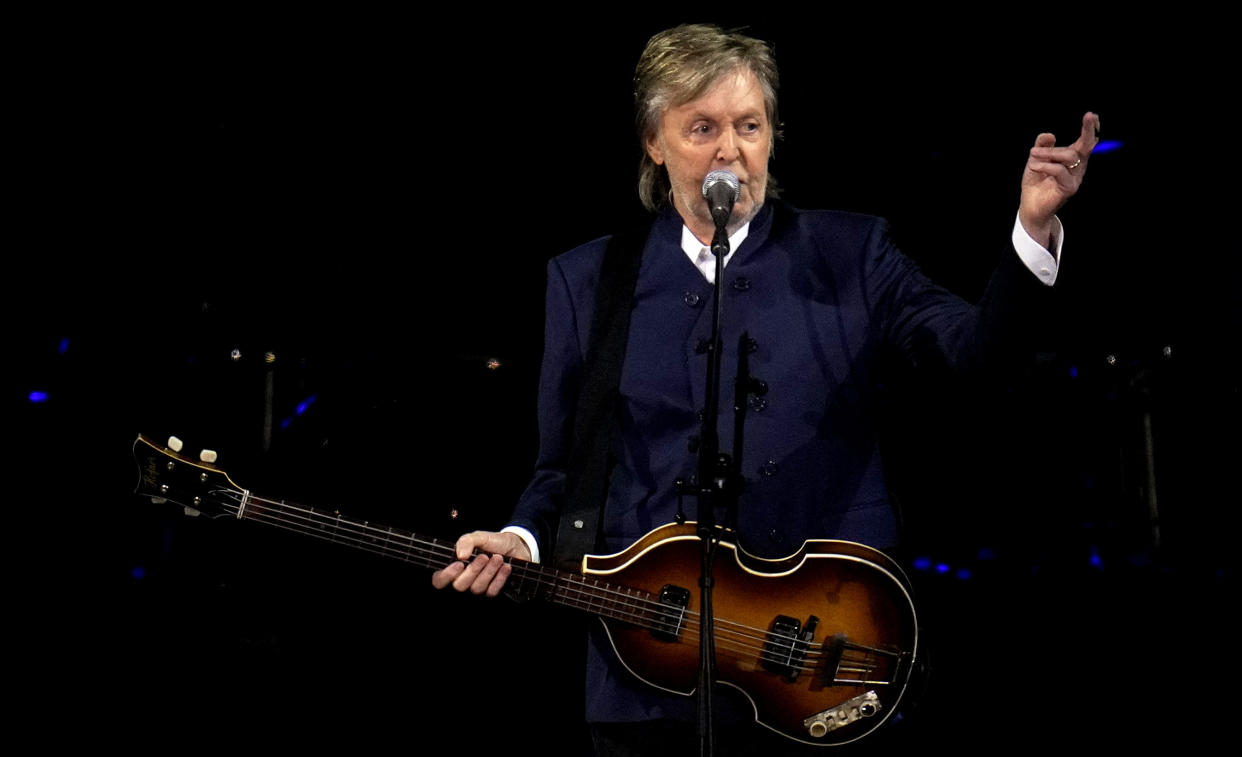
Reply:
x=821, y=295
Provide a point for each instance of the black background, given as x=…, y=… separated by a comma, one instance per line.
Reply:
x=373, y=200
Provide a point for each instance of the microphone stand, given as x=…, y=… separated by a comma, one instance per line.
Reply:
x=713, y=472
x=719, y=483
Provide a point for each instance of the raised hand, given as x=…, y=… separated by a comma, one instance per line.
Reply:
x=1053, y=174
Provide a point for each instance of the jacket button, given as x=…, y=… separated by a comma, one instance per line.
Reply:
x=758, y=403
x=769, y=468
x=691, y=299
x=702, y=345
x=741, y=283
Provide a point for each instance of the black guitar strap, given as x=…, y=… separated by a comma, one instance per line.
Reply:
x=595, y=419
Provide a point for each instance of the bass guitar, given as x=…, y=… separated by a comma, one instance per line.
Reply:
x=821, y=642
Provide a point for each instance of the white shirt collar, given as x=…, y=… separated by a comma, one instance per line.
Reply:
x=701, y=255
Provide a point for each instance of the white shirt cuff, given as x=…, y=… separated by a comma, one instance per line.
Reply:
x=1038, y=260
x=527, y=537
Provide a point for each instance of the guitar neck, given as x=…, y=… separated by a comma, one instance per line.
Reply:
x=168, y=475
x=527, y=581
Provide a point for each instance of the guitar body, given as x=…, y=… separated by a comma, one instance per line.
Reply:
x=851, y=589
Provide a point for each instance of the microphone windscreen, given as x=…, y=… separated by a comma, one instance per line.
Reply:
x=728, y=178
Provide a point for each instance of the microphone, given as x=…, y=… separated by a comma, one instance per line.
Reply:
x=721, y=189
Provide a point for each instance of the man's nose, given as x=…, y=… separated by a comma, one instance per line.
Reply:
x=726, y=147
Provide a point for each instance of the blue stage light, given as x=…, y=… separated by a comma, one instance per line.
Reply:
x=298, y=410
x=1107, y=145
x=39, y=396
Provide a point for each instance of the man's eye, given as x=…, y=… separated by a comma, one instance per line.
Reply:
x=702, y=129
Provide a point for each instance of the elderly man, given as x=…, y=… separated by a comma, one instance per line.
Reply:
x=821, y=294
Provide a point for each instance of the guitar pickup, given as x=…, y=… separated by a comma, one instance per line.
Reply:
x=787, y=644
x=667, y=627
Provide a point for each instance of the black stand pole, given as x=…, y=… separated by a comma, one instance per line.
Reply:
x=718, y=487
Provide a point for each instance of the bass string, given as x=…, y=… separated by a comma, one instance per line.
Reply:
x=380, y=540
x=657, y=616
x=777, y=649
x=663, y=616
x=333, y=527
x=423, y=553
x=432, y=553
x=621, y=605
x=668, y=615
x=624, y=604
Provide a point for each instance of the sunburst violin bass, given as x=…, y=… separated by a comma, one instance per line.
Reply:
x=821, y=642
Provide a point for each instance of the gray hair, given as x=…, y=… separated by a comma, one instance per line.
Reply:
x=679, y=65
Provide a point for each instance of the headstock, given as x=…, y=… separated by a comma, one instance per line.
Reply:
x=166, y=475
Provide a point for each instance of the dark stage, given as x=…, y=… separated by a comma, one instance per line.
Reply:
x=317, y=246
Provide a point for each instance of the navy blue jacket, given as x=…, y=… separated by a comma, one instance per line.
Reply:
x=823, y=295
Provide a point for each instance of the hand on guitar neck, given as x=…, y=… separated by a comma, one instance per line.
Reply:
x=485, y=573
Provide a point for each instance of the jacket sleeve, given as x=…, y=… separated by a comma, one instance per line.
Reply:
x=932, y=327
x=539, y=507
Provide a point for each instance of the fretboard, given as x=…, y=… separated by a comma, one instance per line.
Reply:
x=527, y=581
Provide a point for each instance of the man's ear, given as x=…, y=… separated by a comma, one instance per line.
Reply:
x=654, y=148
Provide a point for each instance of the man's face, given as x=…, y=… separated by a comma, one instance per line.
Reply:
x=725, y=128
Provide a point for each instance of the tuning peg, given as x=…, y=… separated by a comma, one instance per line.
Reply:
x=175, y=444
x=207, y=456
